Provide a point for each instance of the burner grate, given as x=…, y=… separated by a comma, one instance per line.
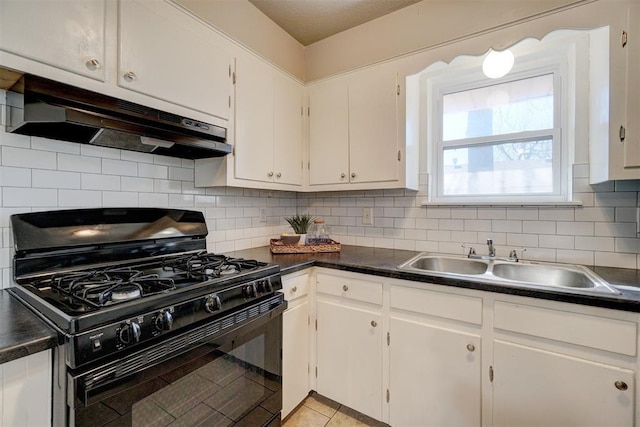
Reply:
x=108, y=286
x=206, y=266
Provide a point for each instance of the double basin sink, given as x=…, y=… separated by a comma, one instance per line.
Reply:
x=570, y=278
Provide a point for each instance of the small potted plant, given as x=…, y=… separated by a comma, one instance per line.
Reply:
x=300, y=225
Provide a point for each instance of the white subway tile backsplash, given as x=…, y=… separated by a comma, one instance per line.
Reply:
x=557, y=242
x=14, y=140
x=393, y=212
x=128, y=183
x=153, y=171
x=154, y=200
x=15, y=177
x=624, y=198
x=119, y=167
x=451, y=224
x=181, y=174
x=506, y=226
x=615, y=229
x=28, y=197
x=627, y=245
x=556, y=214
x=595, y=243
x=492, y=213
x=575, y=257
x=91, y=181
x=167, y=161
x=38, y=143
x=477, y=225
x=539, y=227
x=439, y=235
x=520, y=240
x=55, y=179
x=438, y=212
x=595, y=214
x=95, y=151
x=135, y=156
x=25, y=158
x=575, y=228
x=166, y=186
x=119, y=199
x=529, y=214
x=613, y=259
x=74, y=163
x=79, y=198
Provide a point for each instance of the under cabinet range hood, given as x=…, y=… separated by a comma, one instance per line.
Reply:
x=49, y=109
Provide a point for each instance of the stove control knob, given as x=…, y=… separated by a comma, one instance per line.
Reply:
x=249, y=291
x=212, y=303
x=164, y=321
x=130, y=333
x=265, y=286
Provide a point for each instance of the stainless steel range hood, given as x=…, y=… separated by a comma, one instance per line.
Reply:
x=45, y=108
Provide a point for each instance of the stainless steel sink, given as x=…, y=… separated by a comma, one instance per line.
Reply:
x=569, y=278
x=449, y=265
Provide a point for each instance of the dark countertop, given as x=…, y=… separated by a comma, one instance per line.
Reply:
x=384, y=262
x=22, y=333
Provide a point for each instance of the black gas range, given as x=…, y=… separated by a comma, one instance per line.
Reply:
x=141, y=306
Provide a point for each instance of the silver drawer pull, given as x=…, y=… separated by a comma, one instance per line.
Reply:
x=93, y=64
x=129, y=76
x=471, y=347
x=345, y=288
x=294, y=289
x=374, y=323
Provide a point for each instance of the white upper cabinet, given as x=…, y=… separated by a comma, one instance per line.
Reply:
x=69, y=35
x=329, y=133
x=160, y=55
x=353, y=131
x=632, y=137
x=268, y=131
x=373, y=127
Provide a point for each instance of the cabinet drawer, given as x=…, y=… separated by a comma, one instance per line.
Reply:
x=617, y=336
x=295, y=287
x=441, y=304
x=346, y=287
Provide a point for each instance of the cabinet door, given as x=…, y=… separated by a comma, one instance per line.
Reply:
x=287, y=161
x=254, y=119
x=329, y=133
x=533, y=387
x=65, y=34
x=295, y=356
x=434, y=376
x=161, y=56
x=373, y=132
x=349, y=358
x=632, y=140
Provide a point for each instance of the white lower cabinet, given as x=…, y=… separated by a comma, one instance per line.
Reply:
x=420, y=354
x=25, y=391
x=296, y=336
x=434, y=365
x=534, y=387
x=349, y=342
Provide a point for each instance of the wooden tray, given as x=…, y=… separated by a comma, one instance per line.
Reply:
x=277, y=247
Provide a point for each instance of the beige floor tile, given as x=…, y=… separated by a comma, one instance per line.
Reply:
x=322, y=404
x=346, y=417
x=306, y=417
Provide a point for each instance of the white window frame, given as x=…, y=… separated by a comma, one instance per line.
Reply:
x=556, y=54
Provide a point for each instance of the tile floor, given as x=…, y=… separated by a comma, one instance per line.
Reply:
x=318, y=411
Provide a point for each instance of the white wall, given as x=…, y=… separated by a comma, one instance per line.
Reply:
x=246, y=24
x=424, y=25
x=43, y=174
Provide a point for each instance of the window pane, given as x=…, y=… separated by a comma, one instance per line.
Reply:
x=506, y=168
x=518, y=106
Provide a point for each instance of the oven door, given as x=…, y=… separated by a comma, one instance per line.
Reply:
x=229, y=377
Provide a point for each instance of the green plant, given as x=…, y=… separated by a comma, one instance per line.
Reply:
x=300, y=223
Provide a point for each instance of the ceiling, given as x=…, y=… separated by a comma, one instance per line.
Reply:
x=311, y=20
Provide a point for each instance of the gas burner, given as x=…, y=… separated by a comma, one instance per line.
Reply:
x=124, y=293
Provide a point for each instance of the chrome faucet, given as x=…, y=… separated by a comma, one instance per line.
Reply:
x=492, y=250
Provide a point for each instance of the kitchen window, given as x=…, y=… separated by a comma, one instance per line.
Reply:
x=512, y=139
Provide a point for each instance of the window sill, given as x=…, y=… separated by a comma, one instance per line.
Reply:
x=575, y=203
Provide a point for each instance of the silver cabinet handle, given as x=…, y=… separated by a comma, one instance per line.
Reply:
x=471, y=347
x=342, y=175
x=294, y=289
x=278, y=175
x=345, y=288
x=353, y=174
x=374, y=323
x=93, y=64
x=129, y=76
x=270, y=174
x=621, y=385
